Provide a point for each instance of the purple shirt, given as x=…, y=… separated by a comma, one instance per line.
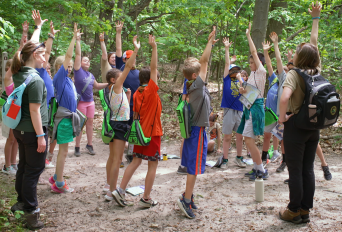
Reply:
x=81, y=78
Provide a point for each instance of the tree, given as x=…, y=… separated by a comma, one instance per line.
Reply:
x=260, y=18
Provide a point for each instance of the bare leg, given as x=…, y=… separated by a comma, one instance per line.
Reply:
x=255, y=153
x=89, y=130
x=320, y=155
x=150, y=177
x=130, y=171
x=9, y=147
x=239, y=143
x=110, y=161
x=118, y=150
x=62, y=154
x=52, y=146
x=190, y=185
x=267, y=140
x=227, y=139
x=275, y=143
x=78, y=139
x=211, y=145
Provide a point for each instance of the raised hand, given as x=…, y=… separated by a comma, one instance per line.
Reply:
x=227, y=43
x=289, y=54
x=37, y=19
x=135, y=42
x=274, y=37
x=152, y=41
x=52, y=29
x=119, y=26
x=266, y=46
x=101, y=37
x=316, y=9
x=76, y=31
x=233, y=59
x=248, y=30
x=212, y=36
x=22, y=42
x=25, y=27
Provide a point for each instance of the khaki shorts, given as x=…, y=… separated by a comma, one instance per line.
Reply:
x=248, y=130
x=231, y=121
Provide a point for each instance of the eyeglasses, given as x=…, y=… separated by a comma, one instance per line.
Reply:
x=40, y=45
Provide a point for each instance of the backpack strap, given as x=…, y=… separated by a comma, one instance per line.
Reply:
x=121, y=100
x=87, y=84
x=29, y=78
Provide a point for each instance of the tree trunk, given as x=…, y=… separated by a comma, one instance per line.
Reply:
x=273, y=24
x=260, y=18
x=177, y=70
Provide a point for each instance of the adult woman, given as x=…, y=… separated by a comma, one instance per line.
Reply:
x=85, y=82
x=31, y=130
x=300, y=145
x=111, y=59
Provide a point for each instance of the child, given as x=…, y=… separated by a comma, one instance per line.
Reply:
x=232, y=111
x=182, y=170
x=214, y=134
x=195, y=147
x=147, y=106
x=253, y=119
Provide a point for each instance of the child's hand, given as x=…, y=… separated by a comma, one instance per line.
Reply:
x=266, y=46
x=76, y=31
x=101, y=37
x=248, y=30
x=226, y=43
x=136, y=44
x=119, y=26
x=25, y=27
x=289, y=54
x=274, y=37
x=152, y=41
x=52, y=29
x=316, y=10
x=242, y=90
x=212, y=36
x=37, y=19
x=233, y=59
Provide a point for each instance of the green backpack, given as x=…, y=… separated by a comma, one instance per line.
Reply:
x=183, y=113
x=270, y=116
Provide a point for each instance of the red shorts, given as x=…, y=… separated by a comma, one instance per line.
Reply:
x=151, y=149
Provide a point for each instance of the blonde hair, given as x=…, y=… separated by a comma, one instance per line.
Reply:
x=59, y=62
x=191, y=66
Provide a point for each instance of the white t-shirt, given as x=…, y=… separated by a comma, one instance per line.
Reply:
x=258, y=79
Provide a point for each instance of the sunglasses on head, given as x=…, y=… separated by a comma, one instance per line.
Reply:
x=40, y=45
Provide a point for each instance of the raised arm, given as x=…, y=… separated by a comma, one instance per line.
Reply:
x=315, y=14
x=252, y=47
x=39, y=23
x=154, y=59
x=23, y=39
x=274, y=38
x=103, y=46
x=68, y=55
x=78, y=56
x=227, y=58
x=266, y=46
x=49, y=44
x=118, y=26
x=129, y=65
x=206, y=54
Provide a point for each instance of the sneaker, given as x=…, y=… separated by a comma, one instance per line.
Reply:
x=64, y=189
x=15, y=166
x=275, y=157
x=147, y=204
x=193, y=206
x=224, y=165
x=33, y=221
x=77, y=152
x=289, y=216
x=240, y=163
x=282, y=166
x=106, y=188
x=48, y=164
x=265, y=162
x=90, y=149
x=259, y=174
x=122, y=165
x=9, y=171
x=250, y=173
x=186, y=208
x=129, y=158
x=119, y=198
x=51, y=180
x=182, y=170
x=327, y=173
x=305, y=215
x=109, y=198
x=19, y=206
x=286, y=181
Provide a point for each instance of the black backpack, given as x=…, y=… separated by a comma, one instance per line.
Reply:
x=321, y=103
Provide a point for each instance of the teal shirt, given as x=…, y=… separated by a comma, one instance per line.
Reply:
x=258, y=117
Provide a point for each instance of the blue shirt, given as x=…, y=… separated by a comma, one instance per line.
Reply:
x=65, y=91
x=184, y=87
x=118, y=62
x=48, y=84
x=231, y=95
x=272, y=94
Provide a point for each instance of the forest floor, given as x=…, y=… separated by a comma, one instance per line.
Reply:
x=225, y=198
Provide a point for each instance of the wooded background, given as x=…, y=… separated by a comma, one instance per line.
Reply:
x=181, y=28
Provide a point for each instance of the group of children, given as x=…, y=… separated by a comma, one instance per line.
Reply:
x=133, y=96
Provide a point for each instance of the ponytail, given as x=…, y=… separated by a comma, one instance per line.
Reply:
x=17, y=63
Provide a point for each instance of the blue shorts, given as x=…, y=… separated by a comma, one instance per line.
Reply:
x=194, y=152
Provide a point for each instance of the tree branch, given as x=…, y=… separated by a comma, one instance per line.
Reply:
x=152, y=19
x=238, y=11
x=136, y=10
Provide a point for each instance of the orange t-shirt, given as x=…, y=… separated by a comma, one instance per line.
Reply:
x=150, y=111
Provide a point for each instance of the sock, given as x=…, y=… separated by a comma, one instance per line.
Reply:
x=239, y=157
x=188, y=201
x=60, y=184
x=284, y=157
x=264, y=155
x=55, y=177
x=260, y=167
x=254, y=166
x=121, y=191
x=225, y=160
x=77, y=149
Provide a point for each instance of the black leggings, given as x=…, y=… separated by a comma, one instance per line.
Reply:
x=31, y=165
x=300, y=148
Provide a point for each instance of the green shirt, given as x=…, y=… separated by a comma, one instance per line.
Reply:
x=35, y=92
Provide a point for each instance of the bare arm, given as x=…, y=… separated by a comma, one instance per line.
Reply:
x=218, y=139
x=39, y=23
x=68, y=55
x=274, y=38
x=37, y=125
x=119, y=26
x=266, y=46
x=103, y=46
x=154, y=59
x=23, y=40
x=100, y=85
x=8, y=77
x=252, y=47
x=315, y=12
x=284, y=101
x=206, y=54
x=227, y=59
x=78, y=56
x=49, y=42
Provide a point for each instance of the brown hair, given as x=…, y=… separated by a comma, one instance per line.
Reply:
x=191, y=66
x=307, y=57
x=21, y=57
x=59, y=62
x=261, y=58
x=243, y=72
x=144, y=75
x=213, y=117
x=112, y=73
x=8, y=64
x=110, y=54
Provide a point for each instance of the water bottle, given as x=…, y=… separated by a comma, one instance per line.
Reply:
x=259, y=189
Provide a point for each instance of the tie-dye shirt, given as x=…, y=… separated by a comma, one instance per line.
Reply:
x=119, y=105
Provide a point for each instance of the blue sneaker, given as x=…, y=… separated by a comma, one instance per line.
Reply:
x=259, y=174
x=193, y=206
x=186, y=208
x=250, y=173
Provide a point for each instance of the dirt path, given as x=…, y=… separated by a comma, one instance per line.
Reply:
x=225, y=198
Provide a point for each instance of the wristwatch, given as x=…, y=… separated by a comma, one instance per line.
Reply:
x=36, y=27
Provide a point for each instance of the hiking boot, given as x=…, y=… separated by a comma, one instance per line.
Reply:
x=147, y=204
x=289, y=216
x=250, y=173
x=90, y=149
x=259, y=174
x=265, y=162
x=275, y=157
x=305, y=215
x=9, y=171
x=286, y=181
x=32, y=220
x=182, y=170
x=19, y=206
x=281, y=167
x=186, y=208
x=119, y=198
x=327, y=173
x=77, y=152
x=193, y=206
x=239, y=162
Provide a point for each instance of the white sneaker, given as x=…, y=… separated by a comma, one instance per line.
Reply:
x=224, y=165
x=276, y=155
x=48, y=164
x=106, y=188
x=109, y=198
x=9, y=171
x=239, y=163
x=147, y=204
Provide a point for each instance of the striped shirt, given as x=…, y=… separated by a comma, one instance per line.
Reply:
x=258, y=79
